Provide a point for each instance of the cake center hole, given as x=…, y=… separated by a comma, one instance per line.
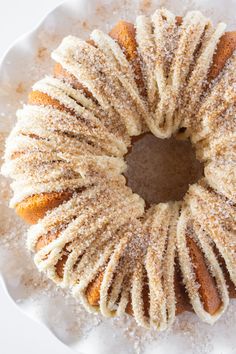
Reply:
x=161, y=170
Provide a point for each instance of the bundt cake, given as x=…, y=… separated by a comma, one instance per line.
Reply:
x=166, y=75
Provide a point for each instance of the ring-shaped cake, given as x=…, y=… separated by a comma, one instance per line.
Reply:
x=166, y=75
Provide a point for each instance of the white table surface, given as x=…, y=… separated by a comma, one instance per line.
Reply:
x=19, y=334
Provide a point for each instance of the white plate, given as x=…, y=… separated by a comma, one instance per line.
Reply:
x=26, y=61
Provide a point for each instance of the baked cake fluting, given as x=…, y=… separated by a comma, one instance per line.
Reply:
x=166, y=75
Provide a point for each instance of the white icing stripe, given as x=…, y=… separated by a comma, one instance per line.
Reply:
x=86, y=63
x=137, y=295
x=154, y=261
x=221, y=175
x=166, y=73
x=121, y=65
x=223, y=217
x=164, y=23
x=23, y=190
x=116, y=58
x=108, y=278
x=199, y=73
x=188, y=272
x=169, y=264
x=221, y=98
x=124, y=298
x=68, y=99
x=55, y=120
x=18, y=144
x=67, y=89
x=82, y=229
x=60, y=167
x=146, y=49
x=218, y=145
x=66, y=212
x=116, y=286
x=213, y=266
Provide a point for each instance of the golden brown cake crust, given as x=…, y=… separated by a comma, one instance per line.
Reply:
x=225, y=48
x=34, y=208
x=207, y=290
x=124, y=33
x=62, y=73
x=40, y=98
